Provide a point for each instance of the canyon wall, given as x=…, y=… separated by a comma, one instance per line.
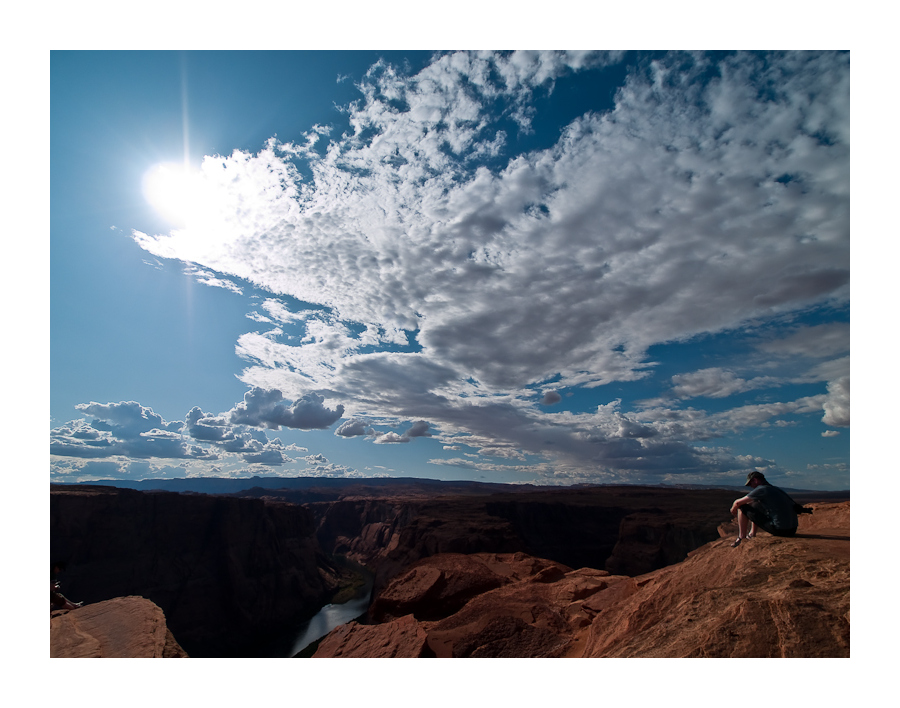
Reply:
x=226, y=572
x=625, y=530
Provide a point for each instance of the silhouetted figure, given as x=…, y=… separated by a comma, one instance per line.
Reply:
x=766, y=507
x=57, y=600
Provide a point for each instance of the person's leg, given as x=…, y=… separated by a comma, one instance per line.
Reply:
x=743, y=523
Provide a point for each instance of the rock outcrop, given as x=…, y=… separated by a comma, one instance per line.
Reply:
x=769, y=597
x=228, y=573
x=124, y=627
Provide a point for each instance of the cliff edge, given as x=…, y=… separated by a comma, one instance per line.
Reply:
x=769, y=597
x=124, y=627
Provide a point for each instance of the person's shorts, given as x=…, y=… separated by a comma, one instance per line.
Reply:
x=761, y=518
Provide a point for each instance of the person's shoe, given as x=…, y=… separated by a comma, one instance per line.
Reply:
x=736, y=543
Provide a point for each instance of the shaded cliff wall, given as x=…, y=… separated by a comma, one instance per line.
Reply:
x=627, y=530
x=226, y=572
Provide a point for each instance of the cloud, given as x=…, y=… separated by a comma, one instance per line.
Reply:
x=129, y=431
x=819, y=341
x=714, y=193
x=419, y=429
x=204, y=277
x=715, y=383
x=269, y=409
x=352, y=428
x=550, y=397
x=837, y=405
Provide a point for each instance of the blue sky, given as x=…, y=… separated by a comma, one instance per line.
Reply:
x=539, y=267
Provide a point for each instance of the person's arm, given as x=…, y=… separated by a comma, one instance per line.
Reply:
x=739, y=503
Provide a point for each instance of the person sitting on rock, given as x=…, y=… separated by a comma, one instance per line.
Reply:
x=57, y=600
x=766, y=507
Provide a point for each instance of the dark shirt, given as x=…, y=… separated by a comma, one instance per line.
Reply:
x=777, y=504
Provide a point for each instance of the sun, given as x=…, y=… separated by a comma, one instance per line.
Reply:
x=176, y=191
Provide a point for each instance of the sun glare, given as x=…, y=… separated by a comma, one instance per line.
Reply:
x=175, y=191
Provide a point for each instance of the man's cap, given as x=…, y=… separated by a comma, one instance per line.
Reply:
x=755, y=474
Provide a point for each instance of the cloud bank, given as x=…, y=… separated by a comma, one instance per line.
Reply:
x=454, y=276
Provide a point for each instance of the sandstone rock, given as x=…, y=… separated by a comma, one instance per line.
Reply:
x=402, y=638
x=124, y=627
x=431, y=592
x=481, y=605
x=770, y=597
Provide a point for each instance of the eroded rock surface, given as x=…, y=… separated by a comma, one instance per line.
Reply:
x=770, y=597
x=124, y=627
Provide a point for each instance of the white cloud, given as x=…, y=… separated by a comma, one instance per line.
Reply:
x=715, y=383
x=353, y=428
x=837, y=405
x=206, y=278
x=714, y=193
x=125, y=432
x=269, y=409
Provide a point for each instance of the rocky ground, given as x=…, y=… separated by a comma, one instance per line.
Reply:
x=769, y=597
x=124, y=627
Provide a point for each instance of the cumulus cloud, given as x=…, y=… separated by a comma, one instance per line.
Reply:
x=715, y=192
x=129, y=431
x=353, y=428
x=419, y=429
x=837, y=405
x=269, y=409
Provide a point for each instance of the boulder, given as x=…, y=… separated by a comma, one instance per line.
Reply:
x=402, y=638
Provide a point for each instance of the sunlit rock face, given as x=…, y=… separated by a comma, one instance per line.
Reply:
x=770, y=597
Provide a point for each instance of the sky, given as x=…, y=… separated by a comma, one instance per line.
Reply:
x=546, y=267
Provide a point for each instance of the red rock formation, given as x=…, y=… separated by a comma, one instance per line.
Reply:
x=769, y=597
x=398, y=639
x=124, y=627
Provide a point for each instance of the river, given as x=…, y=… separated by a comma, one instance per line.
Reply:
x=329, y=617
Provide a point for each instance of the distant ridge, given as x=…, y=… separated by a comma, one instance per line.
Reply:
x=232, y=485
x=229, y=485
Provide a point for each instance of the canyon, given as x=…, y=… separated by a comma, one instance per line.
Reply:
x=231, y=571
